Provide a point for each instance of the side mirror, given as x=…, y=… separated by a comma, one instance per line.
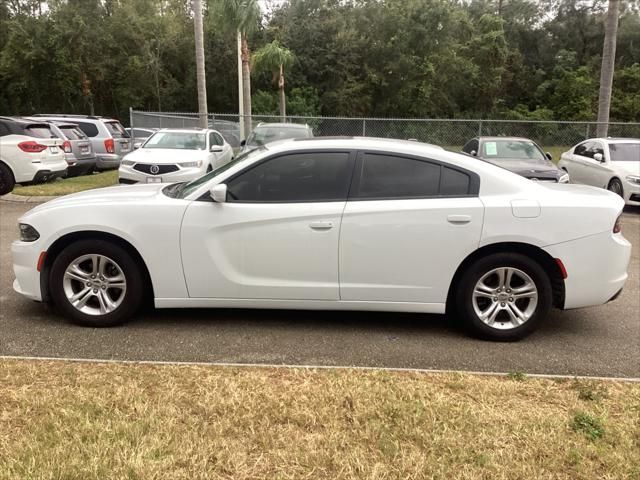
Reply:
x=137, y=145
x=598, y=157
x=215, y=148
x=243, y=143
x=474, y=153
x=549, y=156
x=219, y=193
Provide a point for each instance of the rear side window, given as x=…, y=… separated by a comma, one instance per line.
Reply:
x=299, y=177
x=89, y=129
x=384, y=176
x=39, y=131
x=4, y=130
x=116, y=130
x=73, y=133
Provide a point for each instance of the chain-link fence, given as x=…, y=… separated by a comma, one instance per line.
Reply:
x=452, y=133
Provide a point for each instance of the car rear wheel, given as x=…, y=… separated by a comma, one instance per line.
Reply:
x=504, y=296
x=96, y=283
x=615, y=186
x=7, y=182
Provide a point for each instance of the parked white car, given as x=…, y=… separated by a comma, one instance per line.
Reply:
x=611, y=163
x=29, y=152
x=175, y=155
x=333, y=224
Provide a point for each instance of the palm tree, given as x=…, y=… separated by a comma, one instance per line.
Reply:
x=202, y=84
x=606, y=71
x=243, y=16
x=275, y=58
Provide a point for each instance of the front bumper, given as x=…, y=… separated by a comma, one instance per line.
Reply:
x=25, y=261
x=596, y=268
x=631, y=193
x=127, y=175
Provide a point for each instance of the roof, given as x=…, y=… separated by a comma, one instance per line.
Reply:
x=283, y=125
x=523, y=139
x=391, y=144
x=618, y=139
x=24, y=120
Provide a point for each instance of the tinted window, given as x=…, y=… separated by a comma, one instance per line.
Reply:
x=39, y=131
x=386, y=176
x=580, y=149
x=89, y=129
x=116, y=130
x=454, y=182
x=471, y=146
x=4, y=130
x=302, y=177
x=622, y=152
x=73, y=133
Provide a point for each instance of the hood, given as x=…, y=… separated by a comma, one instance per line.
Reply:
x=527, y=168
x=119, y=193
x=163, y=156
x=629, y=168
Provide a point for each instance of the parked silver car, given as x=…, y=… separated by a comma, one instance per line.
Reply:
x=76, y=146
x=271, y=132
x=140, y=135
x=108, y=137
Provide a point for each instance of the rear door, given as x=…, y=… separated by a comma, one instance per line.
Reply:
x=122, y=141
x=408, y=224
x=579, y=162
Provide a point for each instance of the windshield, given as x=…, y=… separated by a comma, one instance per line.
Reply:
x=182, y=190
x=262, y=135
x=116, y=130
x=512, y=149
x=625, y=152
x=177, y=141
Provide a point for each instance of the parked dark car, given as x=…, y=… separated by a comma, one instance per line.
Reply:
x=519, y=155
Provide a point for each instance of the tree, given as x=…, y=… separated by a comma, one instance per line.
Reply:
x=243, y=16
x=606, y=71
x=274, y=58
x=202, y=83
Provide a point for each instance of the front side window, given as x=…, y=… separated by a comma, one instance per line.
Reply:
x=296, y=177
x=580, y=149
x=471, y=146
x=177, y=141
x=215, y=139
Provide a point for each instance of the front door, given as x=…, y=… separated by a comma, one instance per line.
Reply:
x=407, y=226
x=277, y=235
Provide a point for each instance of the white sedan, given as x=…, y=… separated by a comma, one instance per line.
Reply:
x=175, y=155
x=611, y=163
x=335, y=224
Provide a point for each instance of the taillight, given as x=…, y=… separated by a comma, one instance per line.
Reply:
x=66, y=146
x=617, y=227
x=110, y=145
x=31, y=147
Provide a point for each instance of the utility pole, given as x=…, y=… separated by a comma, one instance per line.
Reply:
x=240, y=88
x=200, y=74
x=608, y=65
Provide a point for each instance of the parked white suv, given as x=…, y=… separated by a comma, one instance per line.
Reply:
x=611, y=163
x=175, y=155
x=29, y=152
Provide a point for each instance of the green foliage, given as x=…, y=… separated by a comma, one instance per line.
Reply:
x=590, y=425
x=521, y=59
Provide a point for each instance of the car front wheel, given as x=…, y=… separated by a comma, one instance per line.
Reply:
x=96, y=283
x=504, y=296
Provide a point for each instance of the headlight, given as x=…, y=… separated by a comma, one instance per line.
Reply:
x=633, y=179
x=564, y=178
x=197, y=164
x=127, y=163
x=28, y=233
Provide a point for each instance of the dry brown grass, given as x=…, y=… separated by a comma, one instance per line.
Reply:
x=113, y=421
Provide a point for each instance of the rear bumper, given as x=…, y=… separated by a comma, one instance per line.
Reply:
x=596, y=268
x=107, y=161
x=83, y=165
x=47, y=175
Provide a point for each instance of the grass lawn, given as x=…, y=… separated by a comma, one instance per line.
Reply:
x=64, y=186
x=97, y=421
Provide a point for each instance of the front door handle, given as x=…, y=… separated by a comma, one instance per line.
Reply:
x=322, y=225
x=459, y=219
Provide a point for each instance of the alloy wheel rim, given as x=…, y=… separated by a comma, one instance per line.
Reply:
x=94, y=284
x=505, y=298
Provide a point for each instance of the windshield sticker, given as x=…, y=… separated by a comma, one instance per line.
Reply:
x=491, y=148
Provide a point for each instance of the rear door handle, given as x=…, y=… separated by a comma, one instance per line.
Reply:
x=322, y=225
x=459, y=219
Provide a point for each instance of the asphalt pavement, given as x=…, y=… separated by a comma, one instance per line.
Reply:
x=598, y=341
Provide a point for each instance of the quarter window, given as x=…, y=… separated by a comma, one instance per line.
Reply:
x=300, y=177
x=89, y=129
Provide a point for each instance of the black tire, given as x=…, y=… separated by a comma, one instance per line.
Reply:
x=133, y=295
x=7, y=181
x=476, y=271
x=615, y=186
